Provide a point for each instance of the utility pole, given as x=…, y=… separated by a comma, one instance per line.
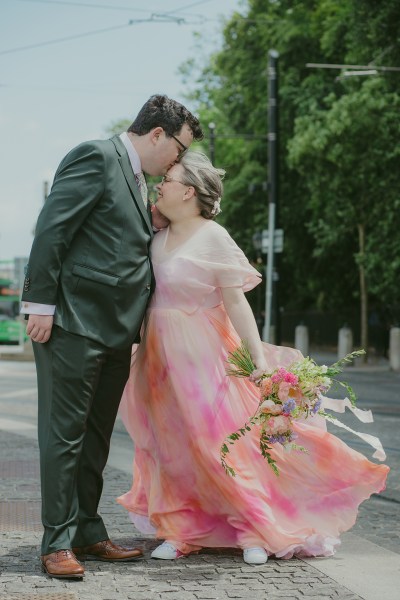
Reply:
x=211, y=129
x=45, y=190
x=270, y=294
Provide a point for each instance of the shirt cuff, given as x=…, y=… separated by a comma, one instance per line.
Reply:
x=33, y=308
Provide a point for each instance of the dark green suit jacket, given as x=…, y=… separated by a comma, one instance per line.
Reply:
x=90, y=255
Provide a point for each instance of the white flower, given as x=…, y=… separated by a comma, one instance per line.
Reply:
x=269, y=406
x=217, y=207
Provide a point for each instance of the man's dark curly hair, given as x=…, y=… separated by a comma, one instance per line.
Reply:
x=161, y=111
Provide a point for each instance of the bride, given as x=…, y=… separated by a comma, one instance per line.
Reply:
x=179, y=404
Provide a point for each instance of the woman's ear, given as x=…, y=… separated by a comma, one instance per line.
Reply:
x=190, y=192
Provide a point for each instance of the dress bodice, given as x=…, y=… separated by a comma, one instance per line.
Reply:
x=191, y=276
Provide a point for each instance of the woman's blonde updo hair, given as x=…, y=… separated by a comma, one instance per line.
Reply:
x=206, y=180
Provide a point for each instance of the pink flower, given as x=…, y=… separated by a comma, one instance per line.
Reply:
x=266, y=387
x=269, y=406
x=279, y=375
x=284, y=375
x=283, y=392
x=280, y=424
x=291, y=378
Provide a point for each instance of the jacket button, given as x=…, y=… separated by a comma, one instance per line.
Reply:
x=148, y=286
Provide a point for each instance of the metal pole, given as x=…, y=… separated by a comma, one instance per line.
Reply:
x=272, y=184
x=45, y=190
x=211, y=128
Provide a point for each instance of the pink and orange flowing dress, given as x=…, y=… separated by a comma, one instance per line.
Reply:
x=179, y=405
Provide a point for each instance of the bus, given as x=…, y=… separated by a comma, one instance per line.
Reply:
x=12, y=329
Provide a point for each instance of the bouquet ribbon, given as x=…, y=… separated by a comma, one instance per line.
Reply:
x=290, y=393
x=365, y=416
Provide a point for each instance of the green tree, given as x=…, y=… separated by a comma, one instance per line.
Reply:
x=350, y=169
x=338, y=146
x=314, y=103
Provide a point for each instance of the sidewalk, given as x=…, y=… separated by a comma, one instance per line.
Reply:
x=366, y=567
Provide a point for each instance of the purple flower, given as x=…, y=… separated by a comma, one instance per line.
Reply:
x=316, y=406
x=289, y=406
x=277, y=438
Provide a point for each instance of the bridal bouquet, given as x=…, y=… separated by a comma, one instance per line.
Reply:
x=287, y=394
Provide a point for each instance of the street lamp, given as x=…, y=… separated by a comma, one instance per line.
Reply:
x=347, y=74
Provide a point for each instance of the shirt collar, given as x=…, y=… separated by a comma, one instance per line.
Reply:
x=133, y=155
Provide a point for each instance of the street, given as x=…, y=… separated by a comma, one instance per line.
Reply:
x=366, y=566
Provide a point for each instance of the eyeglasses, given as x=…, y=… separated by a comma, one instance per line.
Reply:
x=167, y=179
x=184, y=148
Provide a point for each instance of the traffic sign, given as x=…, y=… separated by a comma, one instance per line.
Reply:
x=278, y=241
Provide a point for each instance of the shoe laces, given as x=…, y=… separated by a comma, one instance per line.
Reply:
x=64, y=554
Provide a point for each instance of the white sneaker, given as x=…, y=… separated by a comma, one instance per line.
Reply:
x=166, y=551
x=255, y=556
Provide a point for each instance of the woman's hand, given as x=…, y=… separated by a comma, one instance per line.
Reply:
x=261, y=368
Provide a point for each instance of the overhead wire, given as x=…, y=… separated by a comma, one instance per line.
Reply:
x=155, y=18
x=110, y=6
x=65, y=39
x=85, y=5
x=186, y=7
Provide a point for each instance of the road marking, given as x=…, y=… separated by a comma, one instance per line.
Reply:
x=19, y=393
x=19, y=426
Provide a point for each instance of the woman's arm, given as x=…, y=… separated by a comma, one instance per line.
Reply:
x=243, y=321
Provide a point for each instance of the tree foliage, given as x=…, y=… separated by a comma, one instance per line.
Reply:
x=339, y=147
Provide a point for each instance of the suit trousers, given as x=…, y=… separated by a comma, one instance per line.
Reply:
x=80, y=384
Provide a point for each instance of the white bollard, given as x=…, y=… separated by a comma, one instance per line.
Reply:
x=345, y=342
x=394, y=348
x=272, y=334
x=301, y=339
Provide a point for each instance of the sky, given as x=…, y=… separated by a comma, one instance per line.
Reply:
x=56, y=95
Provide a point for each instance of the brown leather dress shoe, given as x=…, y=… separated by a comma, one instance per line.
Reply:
x=62, y=564
x=107, y=551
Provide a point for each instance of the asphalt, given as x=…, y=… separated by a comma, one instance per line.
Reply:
x=366, y=566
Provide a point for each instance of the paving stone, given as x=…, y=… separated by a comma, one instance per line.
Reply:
x=217, y=574
x=320, y=592
x=284, y=594
x=291, y=597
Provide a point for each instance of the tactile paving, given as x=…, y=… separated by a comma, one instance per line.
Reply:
x=20, y=515
x=46, y=596
x=19, y=469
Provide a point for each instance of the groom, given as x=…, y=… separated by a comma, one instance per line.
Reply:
x=87, y=285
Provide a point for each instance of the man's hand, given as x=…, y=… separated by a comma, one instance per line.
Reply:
x=159, y=221
x=39, y=328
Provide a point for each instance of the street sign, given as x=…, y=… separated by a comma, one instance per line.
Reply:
x=278, y=241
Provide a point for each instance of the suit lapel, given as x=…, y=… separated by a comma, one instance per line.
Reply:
x=126, y=167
